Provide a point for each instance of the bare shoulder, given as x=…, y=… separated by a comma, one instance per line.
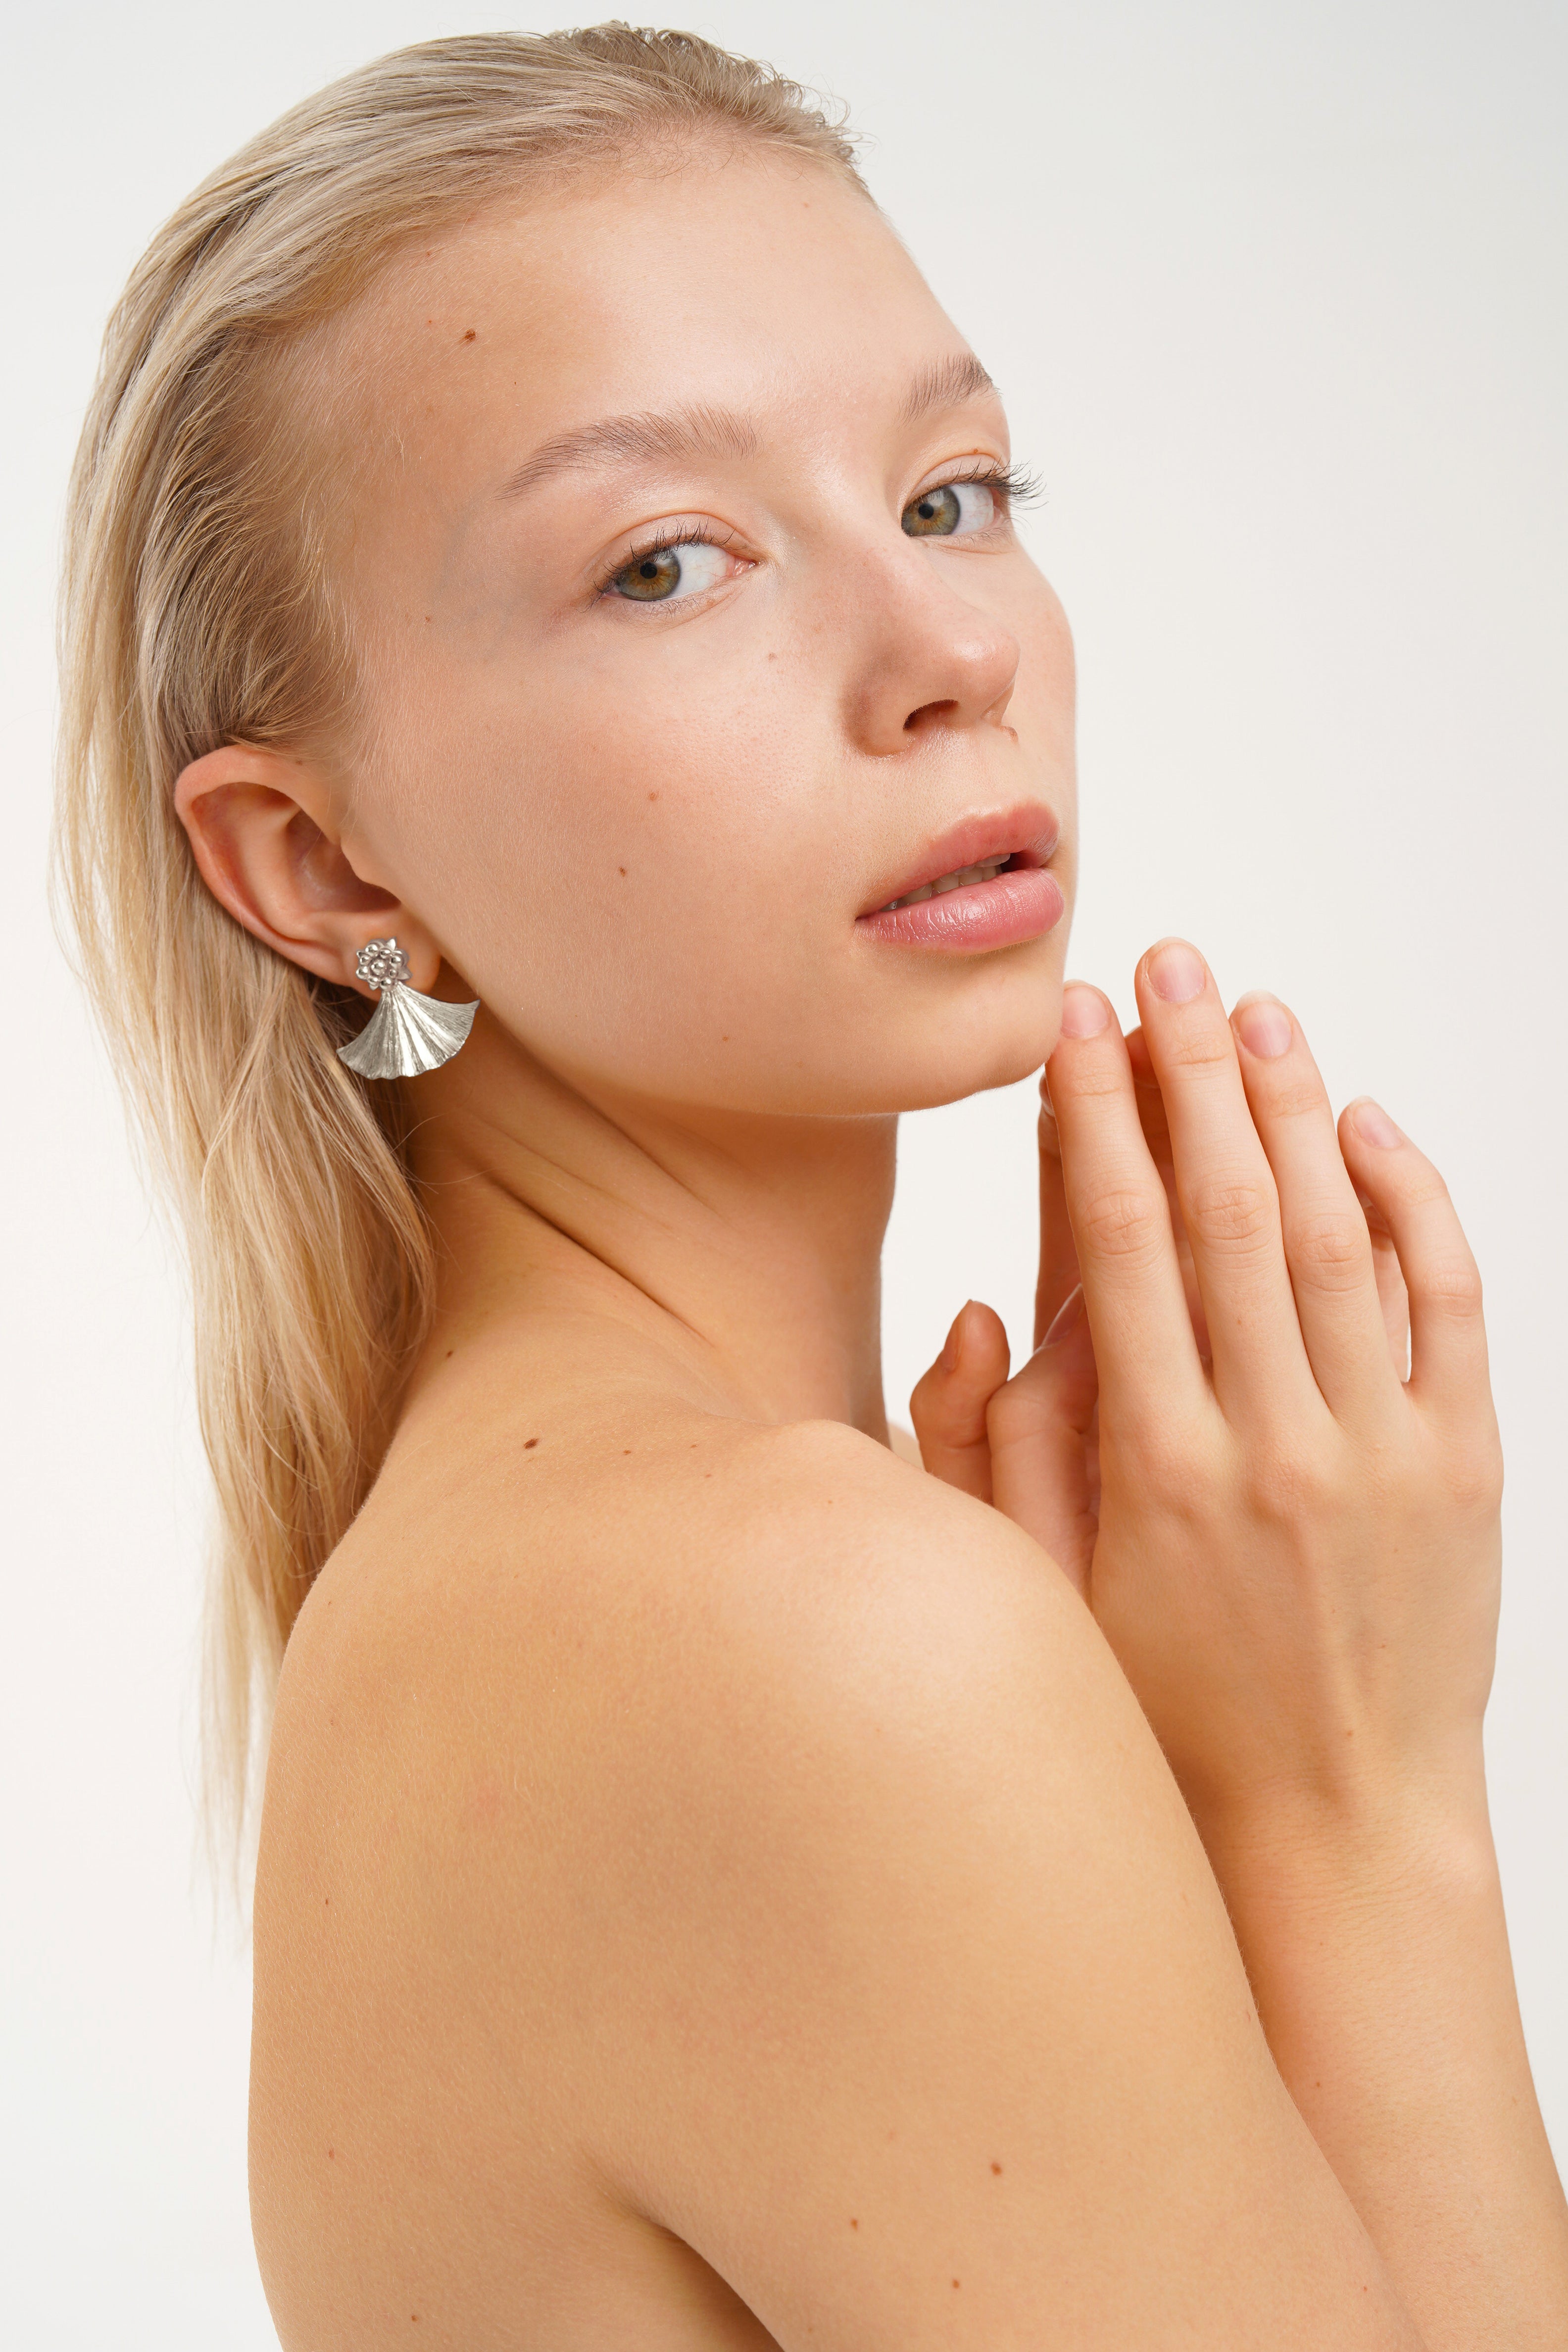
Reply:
x=772, y=1827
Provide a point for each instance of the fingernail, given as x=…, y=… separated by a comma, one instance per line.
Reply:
x=1263, y=1026
x=1176, y=973
x=1374, y=1125
x=1047, y=1108
x=1084, y=1010
x=953, y=1346
x=1066, y=1319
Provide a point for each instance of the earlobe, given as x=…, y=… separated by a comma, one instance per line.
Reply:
x=259, y=826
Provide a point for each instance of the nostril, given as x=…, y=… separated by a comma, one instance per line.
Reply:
x=929, y=714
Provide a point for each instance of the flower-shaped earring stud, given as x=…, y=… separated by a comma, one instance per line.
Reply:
x=408, y=1033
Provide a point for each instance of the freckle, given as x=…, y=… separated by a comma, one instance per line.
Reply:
x=620, y=869
x=472, y=333
x=626, y=1449
x=995, y=2167
x=854, y=2225
x=528, y=1442
x=450, y=1353
x=723, y=1041
x=653, y=796
x=332, y=2151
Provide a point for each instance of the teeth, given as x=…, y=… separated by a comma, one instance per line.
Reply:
x=985, y=872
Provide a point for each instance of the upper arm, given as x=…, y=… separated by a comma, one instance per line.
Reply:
x=916, y=2010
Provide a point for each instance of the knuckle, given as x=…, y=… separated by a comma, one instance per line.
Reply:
x=1422, y=1187
x=1475, y=1476
x=1291, y=1486
x=1129, y=1224
x=1236, y=1214
x=1295, y=1093
x=1097, y=1078
x=1452, y=1286
x=1332, y=1249
x=1201, y=1048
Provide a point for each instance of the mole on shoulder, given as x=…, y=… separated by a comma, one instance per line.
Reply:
x=528, y=1442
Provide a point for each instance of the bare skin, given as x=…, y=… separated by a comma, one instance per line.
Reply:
x=722, y=1886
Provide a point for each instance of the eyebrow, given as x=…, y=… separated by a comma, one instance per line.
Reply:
x=949, y=383
x=685, y=434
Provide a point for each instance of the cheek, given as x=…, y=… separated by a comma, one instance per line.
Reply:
x=1047, y=680
x=617, y=869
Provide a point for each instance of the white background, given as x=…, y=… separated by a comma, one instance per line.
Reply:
x=1275, y=294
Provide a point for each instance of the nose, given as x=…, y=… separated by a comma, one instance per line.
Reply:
x=932, y=661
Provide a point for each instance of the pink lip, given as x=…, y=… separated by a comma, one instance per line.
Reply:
x=1023, y=903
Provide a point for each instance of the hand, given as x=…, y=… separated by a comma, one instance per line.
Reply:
x=1293, y=1550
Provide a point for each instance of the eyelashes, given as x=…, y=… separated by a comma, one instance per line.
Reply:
x=1018, y=485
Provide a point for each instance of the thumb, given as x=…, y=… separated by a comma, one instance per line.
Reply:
x=948, y=1407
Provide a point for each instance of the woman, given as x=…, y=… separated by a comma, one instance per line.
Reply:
x=541, y=575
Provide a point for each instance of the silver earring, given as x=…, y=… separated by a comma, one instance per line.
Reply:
x=408, y=1033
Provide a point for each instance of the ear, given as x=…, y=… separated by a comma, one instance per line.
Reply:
x=260, y=827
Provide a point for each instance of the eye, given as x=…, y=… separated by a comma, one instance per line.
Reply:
x=951, y=510
x=661, y=575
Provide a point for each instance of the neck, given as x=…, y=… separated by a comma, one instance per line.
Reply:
x=744, y=1250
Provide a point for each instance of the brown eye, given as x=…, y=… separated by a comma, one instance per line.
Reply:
x=666, y=575
x=651, y=577
x=950, y=510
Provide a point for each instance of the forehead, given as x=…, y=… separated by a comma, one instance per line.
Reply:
x=727, y=275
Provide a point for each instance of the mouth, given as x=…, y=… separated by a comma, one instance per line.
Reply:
x=982, y=884
x=963, y=879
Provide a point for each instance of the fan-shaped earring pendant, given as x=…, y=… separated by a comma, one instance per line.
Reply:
x=408, y=1033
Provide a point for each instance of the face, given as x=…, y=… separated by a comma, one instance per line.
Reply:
x=695, y=631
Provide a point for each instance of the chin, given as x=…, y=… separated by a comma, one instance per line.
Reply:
x=1005, y=1035
x=994, y=1034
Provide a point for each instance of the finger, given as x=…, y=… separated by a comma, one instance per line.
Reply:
x=1039, y=1424
x=1121, y=1225
x=1157, y=1135
x=948, y=1407
x=1391, y=1295
x=1058, y=1256
x=1226, y=1186
x=1328, y=1249
x=1447, y=1333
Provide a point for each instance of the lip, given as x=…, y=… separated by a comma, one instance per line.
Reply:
x=1018, y=904
x=1030, y=832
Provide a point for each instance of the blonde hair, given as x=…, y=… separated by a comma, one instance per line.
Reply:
x=198, y=610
